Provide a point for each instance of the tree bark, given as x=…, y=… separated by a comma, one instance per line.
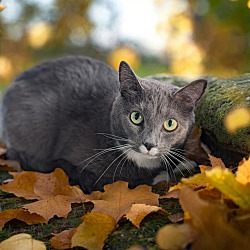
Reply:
x=222, y=96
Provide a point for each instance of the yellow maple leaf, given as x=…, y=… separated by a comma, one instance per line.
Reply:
x=224, y=180
x=243, y=172
x=94, y=230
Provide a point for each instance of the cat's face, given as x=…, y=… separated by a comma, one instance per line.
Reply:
x=153, y=119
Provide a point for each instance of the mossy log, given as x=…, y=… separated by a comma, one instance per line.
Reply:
x=222, y=97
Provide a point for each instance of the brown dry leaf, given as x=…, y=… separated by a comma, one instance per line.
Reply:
x=33, y=185
x=22, y=186
x=22, y=242
x=58, y=205
x=209, y=221
x=63, y=239
x=193, y=148
x=139, y=211
x=56, y=183
x=117, y=199
x=174, y=237
x=243, y=172
x=216, y=162
x=20, y=214
x=94, y=230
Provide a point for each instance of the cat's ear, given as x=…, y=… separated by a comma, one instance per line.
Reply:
x=192, y=92
x=129, y=84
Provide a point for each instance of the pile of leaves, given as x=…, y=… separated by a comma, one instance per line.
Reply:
x=216, y=205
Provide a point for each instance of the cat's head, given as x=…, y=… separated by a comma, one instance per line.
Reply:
x=152, y=120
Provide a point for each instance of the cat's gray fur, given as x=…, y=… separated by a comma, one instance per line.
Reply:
x=63, y=112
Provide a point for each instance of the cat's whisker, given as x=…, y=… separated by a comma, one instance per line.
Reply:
x=112, y=149
x=182, y=159
x=124, y=158
x=124, y=163
x=115, y=137
x=169, y=168
x=115, y=147
x=110, y=166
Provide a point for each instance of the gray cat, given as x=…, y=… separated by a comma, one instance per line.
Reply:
x=99, y=126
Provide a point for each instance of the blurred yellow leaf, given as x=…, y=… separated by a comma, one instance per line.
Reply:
x=22, y=242
x=125, y=53
x=209, y=224
x=94, y=230
x=243, y=172
x=225, y=181
x=39, y=34
x=2, y=7
x=236, y=119
x=174, y=237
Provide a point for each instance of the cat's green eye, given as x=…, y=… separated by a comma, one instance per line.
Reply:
x=170, y=124
x=136, y=118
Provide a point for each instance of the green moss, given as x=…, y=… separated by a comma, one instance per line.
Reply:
x=224, y=95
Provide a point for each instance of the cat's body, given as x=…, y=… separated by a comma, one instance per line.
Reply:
x=74, y=113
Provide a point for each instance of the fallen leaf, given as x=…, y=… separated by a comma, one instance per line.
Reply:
x=193, y=148
x=22, y=186
x=224, y=180
x=243, y=172
x=216, y=162
x=21, y=215
x=94, y=230
x=210, y=224
x=198, y=181
x=139, y=211
x=58, y=205
x=63, y=239
x=174, y=237
x=171, y=194
x=39, y=186
x=22, y=242
x=56, y=183
x=117, y=199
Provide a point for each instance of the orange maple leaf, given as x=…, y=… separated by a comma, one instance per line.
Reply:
x=118, y=199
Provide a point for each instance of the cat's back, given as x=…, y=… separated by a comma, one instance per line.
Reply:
x=70, y=72
x=43, y=99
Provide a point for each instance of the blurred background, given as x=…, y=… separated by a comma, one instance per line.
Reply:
x=181, y=37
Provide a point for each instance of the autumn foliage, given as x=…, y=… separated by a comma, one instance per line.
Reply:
x=216, y=206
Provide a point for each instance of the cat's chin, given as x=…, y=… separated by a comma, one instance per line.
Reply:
x=144, y=160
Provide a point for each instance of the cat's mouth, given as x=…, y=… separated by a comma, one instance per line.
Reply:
x=144, y=160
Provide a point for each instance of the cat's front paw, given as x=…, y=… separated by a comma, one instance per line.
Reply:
x=163, y=176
